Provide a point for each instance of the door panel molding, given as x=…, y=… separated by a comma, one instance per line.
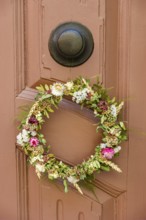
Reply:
x=8, y=189
x=19, y=40
x=38, y=15
x=123, y=83
x=20, y=82
x=33, y=35
x=103, y=207
x=22, y=185
x=124, y=30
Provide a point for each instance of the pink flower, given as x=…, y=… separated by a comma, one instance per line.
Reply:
x=34, y=141
x=108, y=152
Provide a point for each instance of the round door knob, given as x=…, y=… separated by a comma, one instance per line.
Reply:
x=71, y=44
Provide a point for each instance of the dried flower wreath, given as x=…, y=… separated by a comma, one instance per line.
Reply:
x=93, y=97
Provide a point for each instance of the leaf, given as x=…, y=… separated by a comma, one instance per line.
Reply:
x=46, y=87
x=40, y=88
x=65, y=186
x=97, y=129
x=113, y=100
x=50, y=110
x=41, y=135
x=78, y=188
x=87, y=184
x=50, y=155
x=103, y=119
x=43, y=141
x=25, y=151
x=105, y=168
x=46, y=113
x=122, y=125
x=46, y=96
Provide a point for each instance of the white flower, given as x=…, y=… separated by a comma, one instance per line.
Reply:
x=72, y=179
x=33, y=133
x=19, y=139
x=81, y=95
x=117, y=149
x=113, y=110
x=40, y=168
x=69, y=85
x=102, y=145
x=57, y=89
x=34, y=159
x=23, y=137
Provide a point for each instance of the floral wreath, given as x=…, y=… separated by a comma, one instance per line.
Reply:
x=93, y=97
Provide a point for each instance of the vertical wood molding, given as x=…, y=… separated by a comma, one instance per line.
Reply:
x=120, y=207
x=19, y=45
x=136, y=178
x=111, y=26
x=33, y=31
x=19, y=86
x=8, y=45
x=102, y=49
x=123, y=79
x=101, y=59
x=124, y=17
x=22, y=185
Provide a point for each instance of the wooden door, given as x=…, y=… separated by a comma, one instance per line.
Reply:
x=67, y=127
x=118, y=29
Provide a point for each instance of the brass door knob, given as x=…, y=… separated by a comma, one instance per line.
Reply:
x=71, y=44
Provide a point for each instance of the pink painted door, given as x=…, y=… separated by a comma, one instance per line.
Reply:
x=66, y=128
x=118, y=59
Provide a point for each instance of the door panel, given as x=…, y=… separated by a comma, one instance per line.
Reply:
x=42, y=17
x=59, y=206
x=65, y=130
x=73, y=11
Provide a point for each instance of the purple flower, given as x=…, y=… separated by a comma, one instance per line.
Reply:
x=34, y=141
x=103, y=105
x=108, y=152
x=33, y=120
